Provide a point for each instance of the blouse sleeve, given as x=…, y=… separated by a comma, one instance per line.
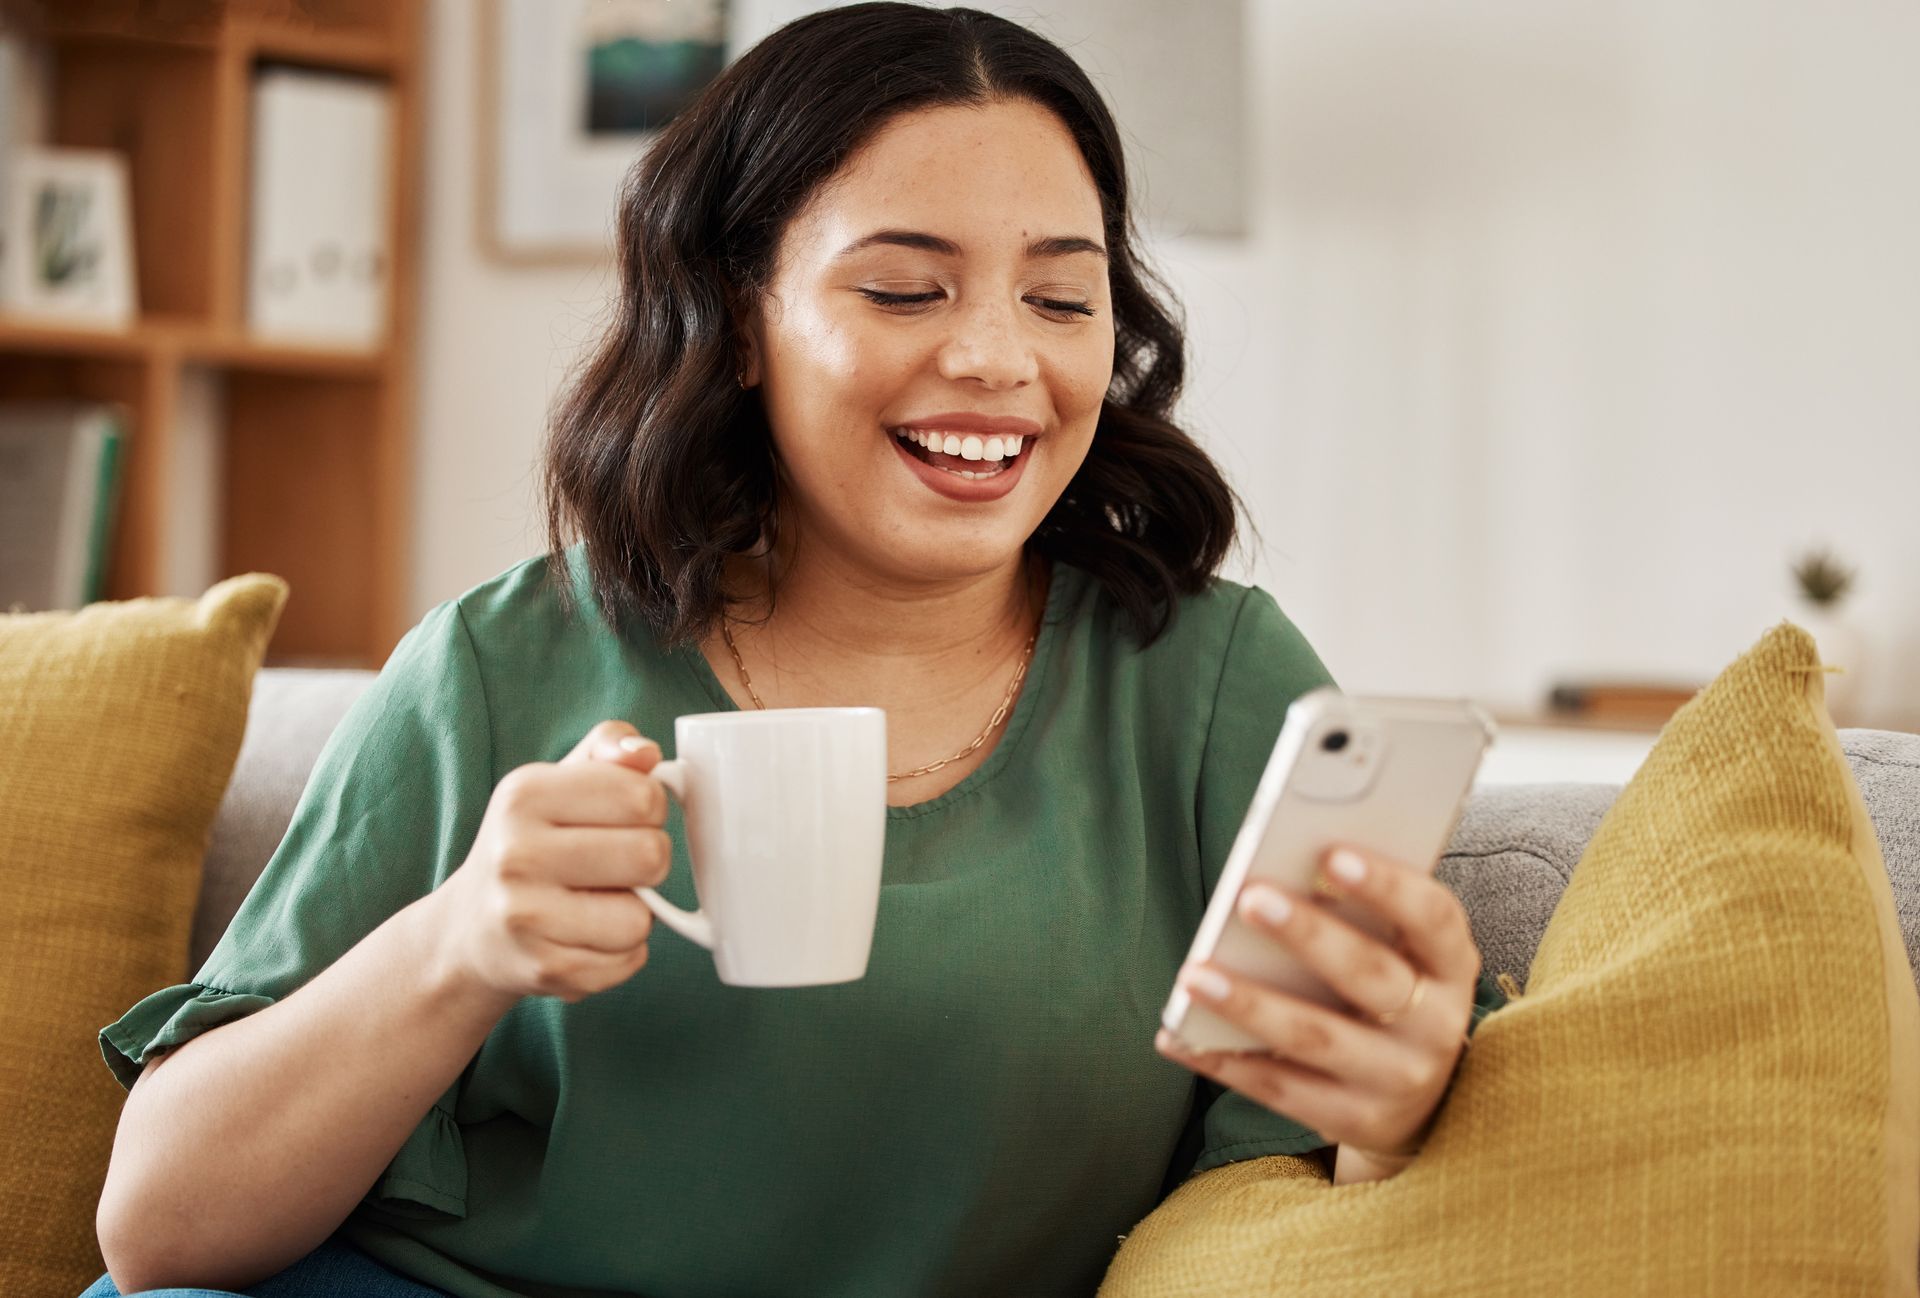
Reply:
x=1268, y=664
x=390, y=809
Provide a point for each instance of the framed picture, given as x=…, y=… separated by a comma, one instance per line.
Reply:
x=67, y=253
x=572, y=93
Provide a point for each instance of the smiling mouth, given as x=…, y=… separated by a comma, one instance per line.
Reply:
x=992, y=461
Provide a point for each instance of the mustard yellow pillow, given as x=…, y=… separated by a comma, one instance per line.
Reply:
x=1711, y=1085
x=119, y=727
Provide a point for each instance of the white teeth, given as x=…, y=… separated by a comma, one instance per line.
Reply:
x=970, y=447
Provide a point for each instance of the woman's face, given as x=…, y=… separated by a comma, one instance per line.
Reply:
x=942, y=207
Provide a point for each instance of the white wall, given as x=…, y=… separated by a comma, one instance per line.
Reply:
x=1558, y=330
x=495, y=344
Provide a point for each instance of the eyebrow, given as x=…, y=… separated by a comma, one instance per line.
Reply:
x=1059, y=245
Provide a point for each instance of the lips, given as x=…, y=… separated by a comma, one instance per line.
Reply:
x=955, y=487
x=972, y=421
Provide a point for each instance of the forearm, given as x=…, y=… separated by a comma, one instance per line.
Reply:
x=255, y=1140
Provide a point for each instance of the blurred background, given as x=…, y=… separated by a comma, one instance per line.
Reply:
x=1557, y=350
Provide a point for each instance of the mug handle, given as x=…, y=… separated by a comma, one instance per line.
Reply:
x=694, y=926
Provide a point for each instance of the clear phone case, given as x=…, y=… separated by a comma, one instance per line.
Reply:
x=1390, y=775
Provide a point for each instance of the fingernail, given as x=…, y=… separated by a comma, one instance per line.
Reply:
x=1347, y=865
x=1209, y=984
x=1269, y=905
x=634, y=743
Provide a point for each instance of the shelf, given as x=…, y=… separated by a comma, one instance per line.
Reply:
x=1546, y=719
x=336, y=51
x=185, y=340
x=357, y=35
x=1549, y=720
x=120, y=22
x=270, y=356
x=1525, y=755
x=50, y=337
x=245, y=453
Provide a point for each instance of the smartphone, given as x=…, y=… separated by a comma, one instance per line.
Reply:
x=1389, y=775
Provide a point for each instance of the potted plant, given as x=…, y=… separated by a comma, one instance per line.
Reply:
x=1823, y=583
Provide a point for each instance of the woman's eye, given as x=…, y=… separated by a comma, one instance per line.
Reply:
x=915, y=299
x=899, y=299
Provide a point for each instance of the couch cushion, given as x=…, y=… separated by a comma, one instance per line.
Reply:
x=1886, y=765
x=119, y=725
x=1516, y=846
x=1510, y=858
x=294, y=710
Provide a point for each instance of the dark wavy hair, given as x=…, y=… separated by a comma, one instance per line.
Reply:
x=663, y=466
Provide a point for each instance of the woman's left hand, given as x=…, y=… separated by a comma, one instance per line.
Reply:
x=1352, y=1080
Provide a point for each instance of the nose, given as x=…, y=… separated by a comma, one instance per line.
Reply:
x=987, y=344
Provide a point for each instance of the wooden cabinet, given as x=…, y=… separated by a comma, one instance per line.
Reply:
x=308, y=469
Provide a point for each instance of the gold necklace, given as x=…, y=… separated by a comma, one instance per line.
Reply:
x=999, y=713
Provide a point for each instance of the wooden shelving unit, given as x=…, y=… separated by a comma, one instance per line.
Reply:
x=1551, y=719
x=315, y=454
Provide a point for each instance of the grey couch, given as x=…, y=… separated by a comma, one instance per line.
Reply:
x=1510, y=857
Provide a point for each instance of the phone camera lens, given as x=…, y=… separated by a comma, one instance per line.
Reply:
x=1335, y=741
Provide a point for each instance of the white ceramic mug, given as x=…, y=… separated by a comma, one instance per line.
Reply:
x=786, y=821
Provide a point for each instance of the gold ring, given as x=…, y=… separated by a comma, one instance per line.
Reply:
x=1413, y=999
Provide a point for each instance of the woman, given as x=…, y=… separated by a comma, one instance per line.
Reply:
x=884, y=419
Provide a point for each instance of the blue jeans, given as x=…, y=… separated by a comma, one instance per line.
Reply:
x=334, y=1270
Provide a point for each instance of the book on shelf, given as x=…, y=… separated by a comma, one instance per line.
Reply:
x=23, y=96
x=318, y=253
x=60, y=475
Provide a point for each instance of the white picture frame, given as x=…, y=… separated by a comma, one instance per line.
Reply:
x=558, y=128
x=67, y=256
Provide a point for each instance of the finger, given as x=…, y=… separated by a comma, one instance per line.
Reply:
x=1335, y=1112
x=1367, y=974
x=579, y=972
x=1433, y=925
x=587, y=792
x=1329, y=1042
x=635, y=752
x=1177, y=1050
x=609, y=921
x=613, y=856
x=615, y=740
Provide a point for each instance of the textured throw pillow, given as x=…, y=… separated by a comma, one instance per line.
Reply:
x=1711, y=1085
x=119, y=726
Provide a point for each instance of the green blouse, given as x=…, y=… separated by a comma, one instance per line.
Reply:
x=983, y=1113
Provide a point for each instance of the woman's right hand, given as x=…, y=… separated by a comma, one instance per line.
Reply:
x=544, y=903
